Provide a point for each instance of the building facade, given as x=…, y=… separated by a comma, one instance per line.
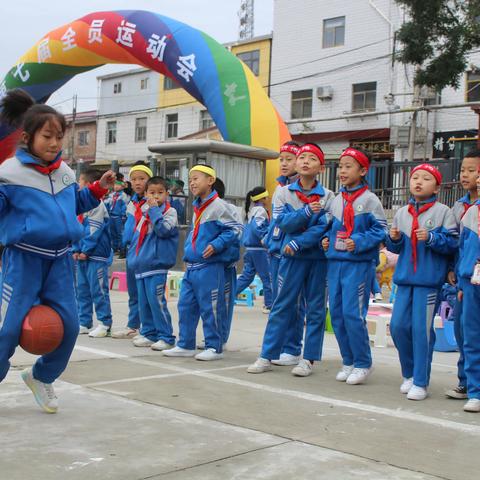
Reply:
x=80, y=139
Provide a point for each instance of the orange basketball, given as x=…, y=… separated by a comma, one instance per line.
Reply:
x=42, y=330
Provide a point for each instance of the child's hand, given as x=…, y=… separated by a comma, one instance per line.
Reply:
x=316, y=207
x=75, y=256
x=108, y=179
x=208, y=252
x=151, y=202
x=452, y=280
x=82, y=256
x=288, y=250
x=325, y=243
x=460, y=295
x=422, y=234
x=395, y=233
x=350, y=244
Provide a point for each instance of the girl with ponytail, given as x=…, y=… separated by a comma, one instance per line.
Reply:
x=254, y=237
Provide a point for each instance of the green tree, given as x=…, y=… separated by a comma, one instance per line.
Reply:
x=437, y=38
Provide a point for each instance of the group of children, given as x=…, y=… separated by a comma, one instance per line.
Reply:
x=314, y=246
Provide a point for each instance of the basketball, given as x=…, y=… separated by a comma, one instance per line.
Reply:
x=42, y=330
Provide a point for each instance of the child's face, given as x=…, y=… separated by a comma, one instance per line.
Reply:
x=469, y=173
x=139, y=181
x=309, y=164
x=82, y=181
x=287, y=164
x=350, y=172
x=157, y=193
x=47, y=141
x=200, y=183
x=423, y=185
x=117, y=187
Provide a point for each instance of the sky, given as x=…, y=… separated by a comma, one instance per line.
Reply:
x=29, y=20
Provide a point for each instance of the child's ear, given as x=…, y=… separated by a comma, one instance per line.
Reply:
x=25, y=137
x=363, y=171
x=322, y=169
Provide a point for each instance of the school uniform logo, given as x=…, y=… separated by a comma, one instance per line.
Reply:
x=360, y=208
x=322, y=202
x=67, y=180
x=429, y=224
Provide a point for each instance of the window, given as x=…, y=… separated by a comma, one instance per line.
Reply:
x=172, y=125
x=141, y=129
x=111, y=132
x=251, y=59
x=473, y=86
x=117, y=87
x=169, y=84
x=334, y=32
x=205, y=120
x=302, y=104
x=144, y=83
x=364, y=97
x=83, y=138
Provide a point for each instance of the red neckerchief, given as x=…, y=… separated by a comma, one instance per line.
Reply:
x=144, y=228
x=413, y=238
x=307, y=199
x=116, y=195
x=80, y=218
x=348, y=212
x=138, y=210
x=466, y=206
x=198, y=215
x=47, y=170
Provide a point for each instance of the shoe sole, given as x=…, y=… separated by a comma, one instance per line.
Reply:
x=188, y=355
x=100, y=336
x=472, y=410
x=298, y=374
x=143, y=346
x=284, y=364
x=456, y=396
x=31, y=386
x=208, y=359
x=161, y=349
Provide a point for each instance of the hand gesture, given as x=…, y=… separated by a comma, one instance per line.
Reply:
x=395, y=233
x=82, y=256
x=460, y=295
x=316, y=207
x=422, y=234
x=108, y=179
x=288, y=250
x=75, y=256
x=208, y=252
x=350, y=244
x=151, y=202
x=325, y=243
x=452, y=279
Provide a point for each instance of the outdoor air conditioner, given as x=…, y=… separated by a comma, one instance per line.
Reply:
x=325, y=93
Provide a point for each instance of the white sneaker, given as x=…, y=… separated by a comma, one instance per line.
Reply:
x=100, y=331
x=378, y=297
x=208, y=355
x=142, y=341
x=43, y=392
x=287, y=360
x=473, y=405
x=265, y=310
x=162, y=345
x=344, y=373
x=125, y=333
x=406, y=385
x=179, y=352
x=261, y=365
x=83, y=330
x=417, y=393
x=359, y=375
x=303, y=369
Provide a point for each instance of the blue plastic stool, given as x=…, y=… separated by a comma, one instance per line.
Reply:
x=393, y=293
x=245, y=298
x=445, y=338
x=258, y=286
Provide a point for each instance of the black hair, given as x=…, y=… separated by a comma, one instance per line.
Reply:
x=219, y=187
x=140, y=162
x=128, y=188
x=292, y=143
x=157, y=181
x=91, y=175
x=180, y=183
x=120, y=177
x=19, y=110
x=252, y=193
x=475, y=153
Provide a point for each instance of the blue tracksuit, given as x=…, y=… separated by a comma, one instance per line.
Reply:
x=305, y=271
x=178, y=203
x=275, y=238
x=116, y=204
x=92, y=274
x=38, y=222
x=150, y=262
x=418, y=292
x=469, y=257
x=349, y=275
x=203, y=284
x=128, y=231
x=256, y=256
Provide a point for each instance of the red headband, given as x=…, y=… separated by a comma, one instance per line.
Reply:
x=359, y=156
x=312, y=149
x=430, y=169
x=289, y=148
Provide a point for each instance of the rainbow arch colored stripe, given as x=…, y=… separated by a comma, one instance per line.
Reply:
x=210, y=73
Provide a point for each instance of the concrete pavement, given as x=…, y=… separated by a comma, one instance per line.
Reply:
x=130, y=413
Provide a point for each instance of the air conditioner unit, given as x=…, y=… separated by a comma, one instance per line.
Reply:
x=325, y=93
x=399, y=135
x=295, y=128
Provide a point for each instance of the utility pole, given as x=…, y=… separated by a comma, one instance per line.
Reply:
x=72, y=141
x=246, y=17
x=413, y=126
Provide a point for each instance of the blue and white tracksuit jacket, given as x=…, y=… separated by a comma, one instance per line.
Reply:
x=128, y=231
x=156, y=255
x=469, y=257
x=92, y=274
x=38, y=224
x=116, y=204
x=203, y=284
x=418, y=291
x=305, y=271
x=349, y=275
x=256, y=257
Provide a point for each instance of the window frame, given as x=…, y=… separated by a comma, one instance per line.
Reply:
x=169, y=123
x=252, y=63
x=86, y=135
x=364, y=93
x=327, y=29
x=111, y=135
x=301, y=100
x=117, y=88
x=206, y=123
x=170, y=84
x=144, y=83
x=469, y=89
x=140, y=129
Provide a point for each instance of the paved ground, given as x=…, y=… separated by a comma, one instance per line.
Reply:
x=129, y=413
